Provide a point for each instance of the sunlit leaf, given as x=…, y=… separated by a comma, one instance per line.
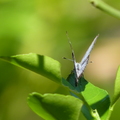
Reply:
x=116, y=88
x=93, y=96
x=55, y=106
x=40, y=64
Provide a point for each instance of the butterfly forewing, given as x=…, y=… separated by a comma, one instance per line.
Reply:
x=89, y=50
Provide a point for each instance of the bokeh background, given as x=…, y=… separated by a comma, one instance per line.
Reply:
x=39, y=26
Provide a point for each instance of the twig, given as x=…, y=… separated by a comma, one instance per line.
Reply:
x=106, y=8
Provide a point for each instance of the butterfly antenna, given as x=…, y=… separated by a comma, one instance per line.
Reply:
x=73, y=55
x=67, y=59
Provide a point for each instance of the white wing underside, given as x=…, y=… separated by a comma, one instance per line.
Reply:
x=80, y=67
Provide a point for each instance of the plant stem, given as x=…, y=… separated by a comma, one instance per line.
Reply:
x=106, y=8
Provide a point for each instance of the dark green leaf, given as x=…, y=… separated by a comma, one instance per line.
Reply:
x=55, y=106
x=40, y=64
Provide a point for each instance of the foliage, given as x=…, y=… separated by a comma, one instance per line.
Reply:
x=94, y=102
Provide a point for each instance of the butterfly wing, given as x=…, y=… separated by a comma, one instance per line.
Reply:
x=85, y=59
x=75, y=68
x=74, y=62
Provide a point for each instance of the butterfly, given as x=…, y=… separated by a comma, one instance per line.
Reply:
x=80, y=67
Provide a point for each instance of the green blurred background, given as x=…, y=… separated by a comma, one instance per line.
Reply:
x=39, y=26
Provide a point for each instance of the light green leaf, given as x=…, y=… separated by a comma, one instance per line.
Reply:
x=55, y=106
x=116, y=89
x=40, y=64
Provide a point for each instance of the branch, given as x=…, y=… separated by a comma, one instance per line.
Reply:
x=106, y=8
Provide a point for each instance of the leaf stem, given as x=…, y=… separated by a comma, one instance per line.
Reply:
x=106, y=8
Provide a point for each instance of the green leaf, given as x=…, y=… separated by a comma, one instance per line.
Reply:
x=40, y=64
x=55, y=106
x=116, y=89
x=94, y=98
